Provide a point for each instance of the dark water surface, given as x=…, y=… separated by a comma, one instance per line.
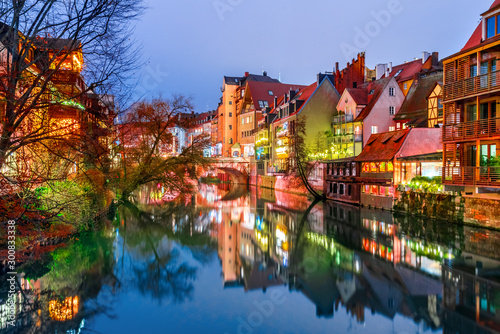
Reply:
x=258, y=261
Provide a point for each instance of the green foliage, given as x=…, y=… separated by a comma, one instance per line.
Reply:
x=67, y=200
x=490, y=162
x=426, y=184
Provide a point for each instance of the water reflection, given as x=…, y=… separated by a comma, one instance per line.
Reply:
x=185, y=259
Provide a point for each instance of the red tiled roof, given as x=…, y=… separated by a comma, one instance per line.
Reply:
x=408, y=70
x=377, y=87
x=477, y=36
x=495, y=4
x=380, y=148
x=304, y=94
x=359, y=95
x=403, y=143
x=260, y=91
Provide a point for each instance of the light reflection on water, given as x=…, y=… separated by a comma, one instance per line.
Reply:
x=237, y=260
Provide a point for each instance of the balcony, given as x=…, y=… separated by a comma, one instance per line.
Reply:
x=343, y=119
x=68, y=78
x=484, y=128
x=481, y=84
x=472, y=176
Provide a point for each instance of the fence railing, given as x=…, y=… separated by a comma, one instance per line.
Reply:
x=473, y=176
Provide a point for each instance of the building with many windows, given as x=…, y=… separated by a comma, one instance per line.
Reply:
x=471, y=93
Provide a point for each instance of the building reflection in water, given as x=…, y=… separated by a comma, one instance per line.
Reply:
x=441, y=275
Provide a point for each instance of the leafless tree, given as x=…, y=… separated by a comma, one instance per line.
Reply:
x=150, y=147
x=38, y=38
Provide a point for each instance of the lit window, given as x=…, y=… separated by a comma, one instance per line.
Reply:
x=391, y=128
x=374, y=129
x=392, y=110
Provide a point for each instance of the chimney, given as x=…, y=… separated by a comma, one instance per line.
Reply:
x=292, y=94
x=425, y=56
x=264, y=73
x=390, y=67
x=336, y=67
x=435, y=59
x=380, y=70
x=275, y=102
x=247, y=74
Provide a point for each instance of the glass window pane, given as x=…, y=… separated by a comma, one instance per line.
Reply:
x=490, y=27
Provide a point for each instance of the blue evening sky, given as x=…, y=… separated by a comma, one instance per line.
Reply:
x=189, y=45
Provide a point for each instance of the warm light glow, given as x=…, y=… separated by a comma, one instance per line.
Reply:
x=64, y=310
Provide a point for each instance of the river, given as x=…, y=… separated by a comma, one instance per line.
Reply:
x=237, y=260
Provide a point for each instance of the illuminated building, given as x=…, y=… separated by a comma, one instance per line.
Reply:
x=471, y=94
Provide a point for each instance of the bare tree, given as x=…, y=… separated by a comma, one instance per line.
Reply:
x=53, y=54
x=149, y=147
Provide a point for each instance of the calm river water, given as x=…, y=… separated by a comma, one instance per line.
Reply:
x=238, y=260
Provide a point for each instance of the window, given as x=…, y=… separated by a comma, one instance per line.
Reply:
x=230, y=114
x=230, y=140
x=374, y=129
x=392, y=91
x=398, y=73
x=230, y=103
x=263, y=104
x=392, y=110
x=270, y=92
x=371, y=92
x=473, y=71
x=490, y=27
x=391, y=128
x=405, y=86
x=230, y=127
x=242, y=120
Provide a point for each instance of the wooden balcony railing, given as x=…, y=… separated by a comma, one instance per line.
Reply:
x=472, y=176
x=484, y=128
x=481, y=84
x=68, y=78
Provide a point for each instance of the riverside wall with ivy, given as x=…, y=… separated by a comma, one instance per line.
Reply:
x=439, y=206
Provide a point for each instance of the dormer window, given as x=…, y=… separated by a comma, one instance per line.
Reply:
x=490, y=27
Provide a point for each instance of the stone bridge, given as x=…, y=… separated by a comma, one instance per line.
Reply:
x=238, y=169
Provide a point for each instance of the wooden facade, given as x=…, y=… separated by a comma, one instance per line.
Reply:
x=471, y=131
